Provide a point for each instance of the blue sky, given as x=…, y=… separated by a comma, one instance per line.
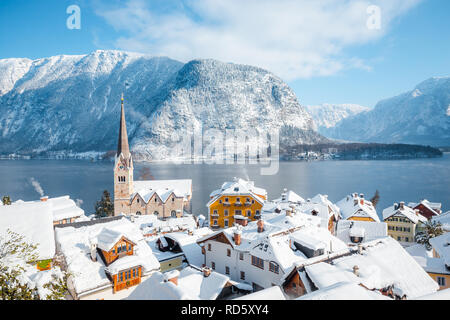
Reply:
x=322, y=49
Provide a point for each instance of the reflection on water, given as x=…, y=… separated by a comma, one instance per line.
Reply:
x=400, y=180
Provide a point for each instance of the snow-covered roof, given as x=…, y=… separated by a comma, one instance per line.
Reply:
x=349, y=207
x=430, y=205
x=289, y=197
x=163, y=188
x=439, y=295
x=62, y=207
x=444, y=219
x=108, y=238
x=75, y=244
x=441, y=245
x=188, y=244
x=271, y=293
x=372, y=230
x=384, y=263
x=344, y=291
x=238, y=187
x=407, y=212
x=149, y=223
x=192, y=285
x=33, y=221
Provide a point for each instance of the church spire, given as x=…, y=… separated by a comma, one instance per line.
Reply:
x=122, y=146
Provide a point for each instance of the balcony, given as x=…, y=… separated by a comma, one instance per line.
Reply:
x=226, y=204
x=247, y=203
x=238, y=203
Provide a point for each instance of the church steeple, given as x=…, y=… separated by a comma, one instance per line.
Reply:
x=122, y=146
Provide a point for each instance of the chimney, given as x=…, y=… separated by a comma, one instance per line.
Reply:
x=206, y=272
x=260, y=225
x=361, y=195
x=237, y=236
x=283, y=195
x=360, y=248
x=395, y=206
x=190, y=232
x=172, y=276
x=356, y=270
x=289, y=212
x=402, y=205
x=93, y=247
x=43, y=199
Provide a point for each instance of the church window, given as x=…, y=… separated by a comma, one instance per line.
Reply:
x=137, y=200
x=173, y=213
x=156, y=213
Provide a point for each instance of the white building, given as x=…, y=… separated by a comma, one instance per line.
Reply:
x=261, y=253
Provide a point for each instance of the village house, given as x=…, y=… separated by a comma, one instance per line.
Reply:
x=322, y=207
x=356, y=207
x=426, y=208
x=238, y=201
x=317, y=206
x=162, y=198
x=444, y=220
x=190, y=283
x=106, y=258
x=260, y=253
x=381, y=266
x=441, y=266
x=403, y=222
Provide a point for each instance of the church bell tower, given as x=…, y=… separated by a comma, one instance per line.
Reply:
x=123, y=170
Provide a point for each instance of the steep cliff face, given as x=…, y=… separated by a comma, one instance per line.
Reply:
x=420, y=116
x=72, y=103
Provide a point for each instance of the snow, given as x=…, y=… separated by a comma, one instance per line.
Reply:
x=108, y=238
x=349, y=209
x=238, y=187
x=150, y=223
x=329, y=115
x=441, y=245
x=343, y=291
x=406, y=212
x=33, y=221
x=124, y=263
x=372, y=230
x=192, y=285
x=200, y=93
x=163, y=188
x=440, y=295
x=384, y=263
x=272, y=293
x=444, y=219
x=382, y=125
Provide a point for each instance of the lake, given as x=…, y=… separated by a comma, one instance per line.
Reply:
x=397, y=180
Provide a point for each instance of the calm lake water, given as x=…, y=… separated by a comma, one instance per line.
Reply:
x=397, y=180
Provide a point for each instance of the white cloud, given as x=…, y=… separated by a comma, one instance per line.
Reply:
x=292, y=38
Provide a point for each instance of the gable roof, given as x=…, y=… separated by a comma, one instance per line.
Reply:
x=344, y=291
x=372, y=230
x=238, y=187
x=405, y=211
x=163, y=188
x=108, y=238
x=349, y=209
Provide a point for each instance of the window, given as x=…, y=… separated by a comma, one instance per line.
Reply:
x=441, y=281
x=215, y=222
x=134, y=273
x=257, y=262
x=173, y=199
x=215, y=213
x=225, y=212
x=138, y=213
x=238, y=199
x=228, y=253
x=227, y=270
x=213, y=265
x=156, y=213
x=257, y=212
x=248, y=199
x=121, y=277
x=406, y=239
x=226, y=199
x=220, y=201
x=241, y=256
x=399, y=238
x=242, y=275
x=225, y=222
x=137, y=200
x=209, y=246
x=273, y=267
x=249, y=213
x=237, y=212
x=173, y=213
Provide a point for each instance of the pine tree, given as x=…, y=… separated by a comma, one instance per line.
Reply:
x=375, y=199
x=104, y=207
x=6, y=200
x=432, y=229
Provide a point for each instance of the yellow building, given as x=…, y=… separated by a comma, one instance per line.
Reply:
x=402, y=222
x=237, y=199
x=355, y=207
x=439, y=266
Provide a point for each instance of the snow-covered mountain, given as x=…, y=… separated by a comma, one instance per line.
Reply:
x=326, y=115
x=72, y=103
x=420, y=116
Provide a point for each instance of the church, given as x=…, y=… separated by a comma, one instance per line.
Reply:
x=163, y=198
